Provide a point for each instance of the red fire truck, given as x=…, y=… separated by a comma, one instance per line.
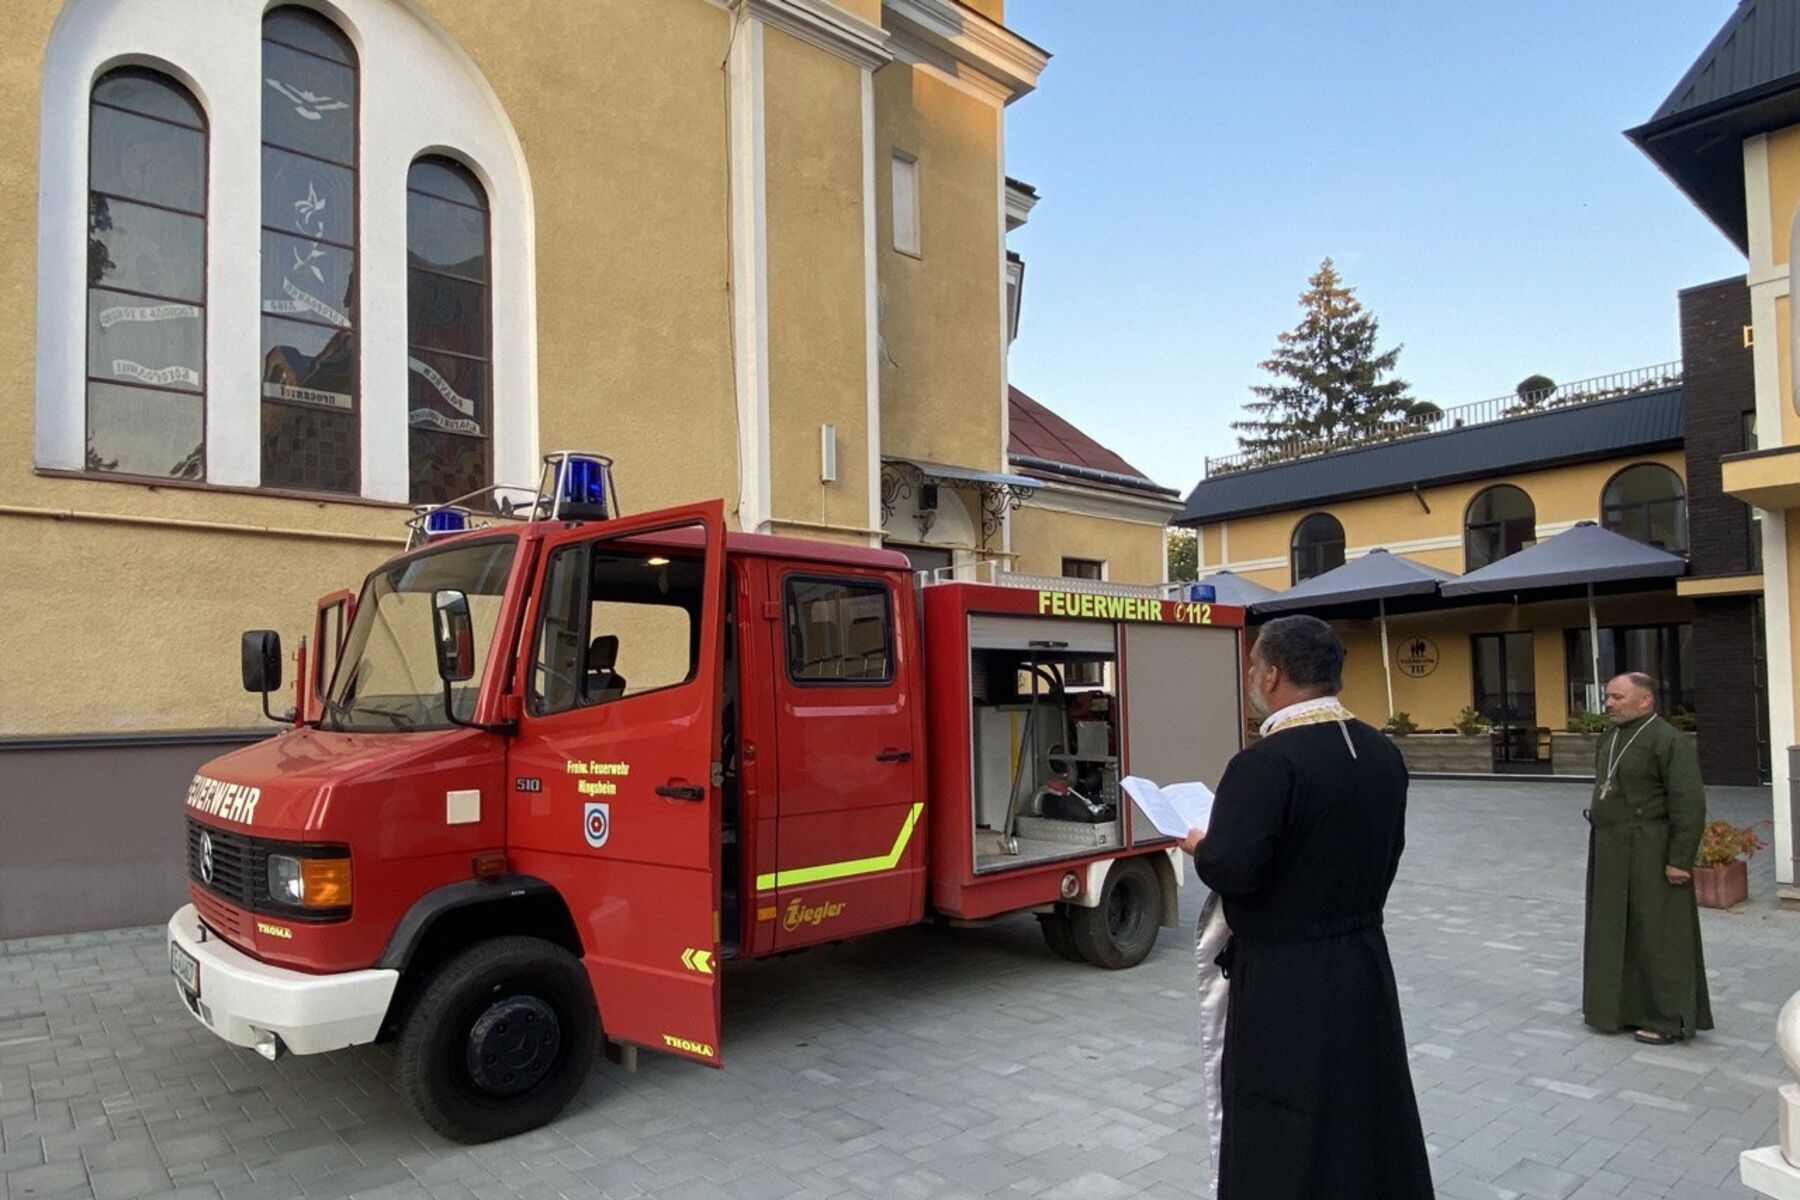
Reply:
x=548, y=774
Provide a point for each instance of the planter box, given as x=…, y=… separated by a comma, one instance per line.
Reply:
x=1447, y=753
x=1722, y=887
x=1573, y=753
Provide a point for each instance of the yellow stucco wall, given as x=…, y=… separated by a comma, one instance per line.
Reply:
x=941, y=367
x=1784, y=188
x=1561, y=494
x=1042, y=538
x=818, y=362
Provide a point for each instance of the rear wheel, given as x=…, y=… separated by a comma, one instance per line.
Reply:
x=1059, y=935
x=500, y=1039
x=1119, y=931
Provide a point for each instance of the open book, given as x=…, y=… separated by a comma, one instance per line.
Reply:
x=1174, y=809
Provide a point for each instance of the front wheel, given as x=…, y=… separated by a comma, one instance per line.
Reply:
x=1119, y=931
x=500, y=1040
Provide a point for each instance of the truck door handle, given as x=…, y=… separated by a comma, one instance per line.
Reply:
x=682, y=791
x=892, y=755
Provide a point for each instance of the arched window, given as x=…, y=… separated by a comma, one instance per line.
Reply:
x=1318, y=546
x=1500, y=521
x=311, y=435
x=448, y=343
x=1647, y=502
x=146, y=278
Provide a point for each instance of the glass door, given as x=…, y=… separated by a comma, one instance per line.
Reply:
x=1506, y=694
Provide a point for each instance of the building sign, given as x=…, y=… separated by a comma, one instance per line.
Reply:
x=1417, y=657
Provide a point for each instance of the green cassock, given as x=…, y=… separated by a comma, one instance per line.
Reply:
x=1641, y=961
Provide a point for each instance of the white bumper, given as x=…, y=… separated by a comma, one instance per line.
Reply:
x=243, y=1000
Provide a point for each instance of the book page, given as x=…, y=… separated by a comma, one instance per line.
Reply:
x=1175, y=809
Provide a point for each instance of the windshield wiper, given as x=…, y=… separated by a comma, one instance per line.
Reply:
x=400, y=719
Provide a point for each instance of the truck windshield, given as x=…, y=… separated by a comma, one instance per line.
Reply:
x=388, y=679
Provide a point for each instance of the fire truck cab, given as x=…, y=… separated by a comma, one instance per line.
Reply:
x=546, y=775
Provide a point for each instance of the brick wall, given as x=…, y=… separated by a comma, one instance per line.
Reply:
x=1723, y=654
x=1718, y=386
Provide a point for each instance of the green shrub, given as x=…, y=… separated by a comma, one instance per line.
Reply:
x=1400, y=724
x=1587, y=722
x=1470, y=721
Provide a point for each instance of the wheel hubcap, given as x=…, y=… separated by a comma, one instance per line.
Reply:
x=513, y=1044
x=1123, y=912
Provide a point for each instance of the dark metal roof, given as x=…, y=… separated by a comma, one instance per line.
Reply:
x=1582, y=555
x=1746, y=82
x=1599, y=429
x=1376, y=575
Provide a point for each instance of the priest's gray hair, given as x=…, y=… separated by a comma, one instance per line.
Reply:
x=1642, y=682
x=1306, y=650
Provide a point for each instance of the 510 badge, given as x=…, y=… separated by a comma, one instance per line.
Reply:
x=596, y=823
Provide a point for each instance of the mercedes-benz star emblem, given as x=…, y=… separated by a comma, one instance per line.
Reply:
x=206, y=858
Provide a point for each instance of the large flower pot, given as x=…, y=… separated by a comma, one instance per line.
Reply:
x=1573, y=753
x=1722, y=887
x=1447, y=753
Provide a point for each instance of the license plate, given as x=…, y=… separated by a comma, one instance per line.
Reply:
x=185, y=969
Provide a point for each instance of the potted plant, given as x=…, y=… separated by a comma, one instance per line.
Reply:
x=1721, y=867
x=1572, y=752
x=1468, y=750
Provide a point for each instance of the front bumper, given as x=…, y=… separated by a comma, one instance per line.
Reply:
x=244, y=1000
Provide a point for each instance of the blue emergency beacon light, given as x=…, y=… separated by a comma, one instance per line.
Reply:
x=577, y=486
x=1204, y=593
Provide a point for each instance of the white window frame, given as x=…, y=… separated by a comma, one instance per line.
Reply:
x=903, y=175
x=215, y=51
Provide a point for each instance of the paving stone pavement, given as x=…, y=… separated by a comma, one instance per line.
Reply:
x=948, y=1063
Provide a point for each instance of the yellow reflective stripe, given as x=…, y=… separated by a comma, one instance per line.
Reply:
x=844, y=870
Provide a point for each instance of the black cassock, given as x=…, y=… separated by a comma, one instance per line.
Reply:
x=1302, y=847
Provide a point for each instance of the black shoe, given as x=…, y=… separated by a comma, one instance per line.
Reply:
x=1651, y=1037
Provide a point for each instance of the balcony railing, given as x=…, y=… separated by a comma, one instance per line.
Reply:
x=1484, y=412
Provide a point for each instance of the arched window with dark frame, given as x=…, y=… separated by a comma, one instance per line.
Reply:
x=311, y=413
x=1317, y=546
x=146, y=277
x=1501, y=520
x=448, y=341
x=1647, y=501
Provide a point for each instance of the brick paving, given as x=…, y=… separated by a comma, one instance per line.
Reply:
x=947, y=1063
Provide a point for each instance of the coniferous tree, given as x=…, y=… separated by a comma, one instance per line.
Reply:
x=1331, y=386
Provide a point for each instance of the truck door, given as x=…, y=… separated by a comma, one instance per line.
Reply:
x=849, y=851
x=331, y=622
x=614, y=792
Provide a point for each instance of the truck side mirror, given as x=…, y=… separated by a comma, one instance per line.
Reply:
x=261, y=655
x=455, y=635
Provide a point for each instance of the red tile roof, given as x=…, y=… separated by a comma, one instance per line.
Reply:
x=1039, y=433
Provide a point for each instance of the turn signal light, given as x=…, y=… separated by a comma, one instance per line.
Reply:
x=325, y=882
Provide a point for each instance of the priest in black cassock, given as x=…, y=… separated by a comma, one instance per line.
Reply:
x=1313, y=1087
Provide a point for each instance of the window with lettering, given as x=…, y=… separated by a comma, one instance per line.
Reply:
x=310, y=410
x=146, y=278
x=448, y=348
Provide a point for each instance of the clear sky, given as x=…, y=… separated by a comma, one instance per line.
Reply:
x=1462, y=160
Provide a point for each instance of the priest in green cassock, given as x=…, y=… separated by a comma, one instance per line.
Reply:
x=1641, y=964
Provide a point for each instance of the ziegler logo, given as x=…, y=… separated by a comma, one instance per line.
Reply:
x=799, y=914
x=700, y=1048
x=274, y=930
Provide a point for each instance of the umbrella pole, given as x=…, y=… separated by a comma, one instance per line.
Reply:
x=1594, y=646
x=1387, y=666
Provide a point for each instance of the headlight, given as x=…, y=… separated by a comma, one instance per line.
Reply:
x=309, y=882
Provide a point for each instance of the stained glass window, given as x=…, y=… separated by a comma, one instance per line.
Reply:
x=310, y=389
x=146, y=311
x=449, y=348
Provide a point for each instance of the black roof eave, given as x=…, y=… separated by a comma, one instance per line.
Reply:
x=1542, y=464
x=1701, y=149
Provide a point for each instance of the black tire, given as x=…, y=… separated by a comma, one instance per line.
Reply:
x=1119, y=931
x=1058, y=934
x=499, y=1040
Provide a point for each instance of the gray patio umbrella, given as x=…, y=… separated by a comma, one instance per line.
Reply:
x=1377, y=576
x=1231, y=588
x=1583, y=555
